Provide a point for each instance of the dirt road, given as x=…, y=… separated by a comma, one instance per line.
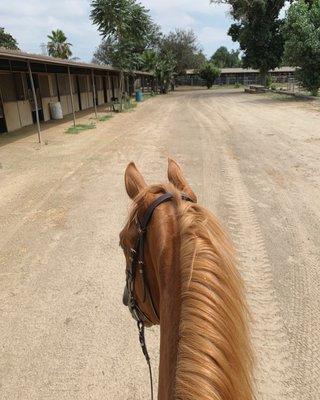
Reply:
x=252, y=160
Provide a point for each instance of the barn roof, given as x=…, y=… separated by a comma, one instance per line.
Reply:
x=37, y=58
x=243, y=70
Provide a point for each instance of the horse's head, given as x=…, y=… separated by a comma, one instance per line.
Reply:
x=149, y=238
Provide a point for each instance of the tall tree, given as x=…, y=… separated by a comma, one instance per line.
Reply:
x=258, y=31
x=184, y=46
x=7, y=40
x=58, y=45
x=302, y=45
x=126, y=53
x=222, y=58
x=127, y=30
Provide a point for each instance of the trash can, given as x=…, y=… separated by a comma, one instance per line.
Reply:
x=56, y=110
x=138, y=95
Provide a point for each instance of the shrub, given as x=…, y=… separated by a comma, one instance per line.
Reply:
x=269, y=81
x=209, y=73
x=302, y=34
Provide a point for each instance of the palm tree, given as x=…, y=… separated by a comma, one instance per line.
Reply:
x=58, y=45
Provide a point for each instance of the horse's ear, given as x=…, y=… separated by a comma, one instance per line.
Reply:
x=133, y=180
x=176, y=177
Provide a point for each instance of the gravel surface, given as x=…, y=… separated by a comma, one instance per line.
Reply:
x=254, y=160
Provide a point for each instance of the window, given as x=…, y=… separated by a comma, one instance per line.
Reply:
x=63, y=84
x=54, y=87
x=83, y=83
x=107, y=82
x=98, y=82
x=20, y=85
x=74, y=84
x=44, y=85
x=7, y=87
x=89, y=84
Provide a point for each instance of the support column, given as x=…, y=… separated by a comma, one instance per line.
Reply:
x=35, y=101
x=71, y=95
x=94, y=94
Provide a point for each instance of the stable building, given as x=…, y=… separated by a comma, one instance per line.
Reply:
x=30, y=82
x=229, y=76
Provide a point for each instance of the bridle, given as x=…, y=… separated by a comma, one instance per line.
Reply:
x=137, y=261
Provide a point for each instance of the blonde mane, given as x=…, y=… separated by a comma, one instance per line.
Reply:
x=214, y=358
x=214, y=354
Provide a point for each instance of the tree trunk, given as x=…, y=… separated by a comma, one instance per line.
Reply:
x=121, y=89
x=263, y=76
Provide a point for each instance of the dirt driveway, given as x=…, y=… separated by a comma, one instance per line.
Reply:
x=252, y=160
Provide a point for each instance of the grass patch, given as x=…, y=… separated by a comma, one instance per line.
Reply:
x=105, y=117
x=129, y=105
x=80, y=128
x=149, y=95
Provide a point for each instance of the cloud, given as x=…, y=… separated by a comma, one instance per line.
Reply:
x=210, y=22
x=31, y=21
x=209, y=34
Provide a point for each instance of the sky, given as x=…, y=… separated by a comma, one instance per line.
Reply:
x=30, y=21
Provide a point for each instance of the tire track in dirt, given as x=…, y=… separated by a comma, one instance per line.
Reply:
x=304, y=319
x=301, y=315
x=268, y=333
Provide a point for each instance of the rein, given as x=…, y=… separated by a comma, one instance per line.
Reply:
x=137, y=260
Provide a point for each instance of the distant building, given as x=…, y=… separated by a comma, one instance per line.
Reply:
x=235, y=75
x=51, y=80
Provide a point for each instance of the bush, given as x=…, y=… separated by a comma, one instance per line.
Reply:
x=209, y=73
x=269, y=81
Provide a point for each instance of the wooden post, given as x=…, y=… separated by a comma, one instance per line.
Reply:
x=71, y=95
x=94, y=94
x=35, y=101
x=121, y=80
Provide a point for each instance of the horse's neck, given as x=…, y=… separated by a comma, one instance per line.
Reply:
x=169, y=324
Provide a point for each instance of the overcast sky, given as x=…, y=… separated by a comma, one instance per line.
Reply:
x=29, y=21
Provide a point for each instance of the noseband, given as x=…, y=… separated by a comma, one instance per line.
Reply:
x=137, y=261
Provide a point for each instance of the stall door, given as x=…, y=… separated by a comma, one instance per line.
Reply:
x=38, y=95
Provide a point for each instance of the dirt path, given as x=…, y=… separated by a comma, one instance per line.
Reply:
x=252, y=160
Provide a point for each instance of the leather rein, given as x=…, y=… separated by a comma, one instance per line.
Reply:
x=137, y=262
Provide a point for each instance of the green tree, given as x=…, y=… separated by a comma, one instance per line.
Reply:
x=302, y=46
x=222, y=58
x=164, y=71
x=126, y=53
x=184, y=46
x=58, y=45
x=161, y=64
x=209, y=73
x=149, y=60
x=8, y=41
x=258, y=31
x=127, y=30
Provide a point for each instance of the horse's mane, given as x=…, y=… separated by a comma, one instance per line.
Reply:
x=214, y=354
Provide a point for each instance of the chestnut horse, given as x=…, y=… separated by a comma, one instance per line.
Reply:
x=193, y=291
